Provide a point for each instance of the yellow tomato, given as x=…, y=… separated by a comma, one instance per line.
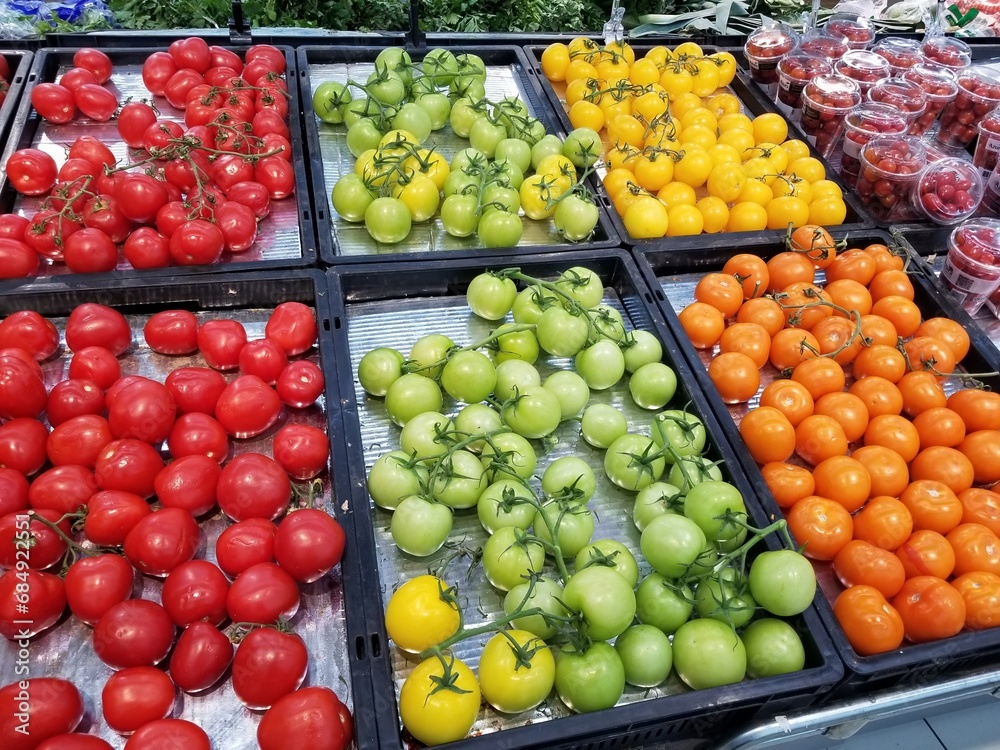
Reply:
x=613, y=68
x=770, y=128
x=747, y=217
x=581, y=46
x=737, y=121
x=776, y=155
x=631, y=194
x=645, y=219
x=644, y=72
x=759, y=168
x=555, y=60
x=782, y=212
x=706, y=79
x=723, y=154
x=535, y=193
x=826, y=189
x=622, y=49
x=421, y=613
x=435, y=716
x=436, y=166
x=724, y=104
x=653, y=171
x=676, y=81
x=580, y=88
x=809, y=168
x=613, y=106
x=649, y=106
x=623, y=156
x=586, y=114
x=394, y=137
x=508, y=684
x=726, y=181
x=364, y=163
x=684, y=220
x=697, y=135
x=683, y=103
x=714, y=214
x=420, y=195
x=795, y=148
x=755, y=191
x=555, y=164
x=658, y=56
x=739, y=139
x=829, y=211
x=727, y=68
x=688, y=49
x=693, y=169
x=626, y=129
x=700, y=116
x=794, y=186
x=677, y=193
x=580, y=68
x=617, y=180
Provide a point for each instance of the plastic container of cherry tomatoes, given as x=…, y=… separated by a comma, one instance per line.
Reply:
x=947, y=51
x=988, y=145
x=821, y=42
x=972, y=267
x=764, y=48
x=868, y=120
x=826, y=100
x=795, y=70
x=948, y=191
x=858, y=30
x=901, y=54
x=905, y=96
x=978, y=95
x=864, y=67
x=991, y=193
x=890, y=167
x=941, y=87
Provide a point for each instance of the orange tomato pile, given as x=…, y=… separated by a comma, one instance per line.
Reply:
x=874, y=466
x=683, y=158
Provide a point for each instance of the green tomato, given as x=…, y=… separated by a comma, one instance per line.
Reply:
x=506, y=503
x=464, y=114
x=499, y=198
x=547, y=146
x=602, y=425
x=464, y=86
x=530, y=303
x=535, y=414
x=477, y=419
x=576, y=218
x=707, y=654
x=397, y=59
x=328, y=99
x=783, y=582
x=591, y=680
x=460, y=215
x=520, y=345
x=641, y=348
x=515, y=151
x=438, y=108
x=571, y=478
x=671, y=543
x=583, y=285
x=420, y=527
x=414, y=119
x=421, y=86
x=379, y=369
x=653, y=385
x=609, y=554
x=423, y=435
x=362, y=136
x=510, y=556
x=663, y=603
x=515, y=376
x=773, y=648
x=545, y=595
x=410, y=395
x=469, y=376
x=681, y=430
x=561, y=333
x=601, y=364
x=469, y=160
x=506, y=173
x=582, y=147
x=511, y=111
x=572, y=524
x=500, y=229
x=604, y=598
x=427, y=351
x=709, y=502
x=490, y=296
x=486, y=135
x=358, y=109
x=608, y=323
x=388, y=220
x=440, y=66
x=646, y=655
x=392, y=477
x=461, y=482
x=632, y=462
x=508, y=453
x=656, y=500
x=351, y=197
x=570, y=389
x=725, y=597
x=461, y=182
x=386, y=86
x=693, y=470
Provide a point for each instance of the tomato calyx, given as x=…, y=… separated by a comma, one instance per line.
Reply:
x=74, y=551
x=240, y=630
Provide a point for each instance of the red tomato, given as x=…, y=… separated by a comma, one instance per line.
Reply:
x=47, y=231
x=192, y=52
x=95, y=584
x=292, y=326
x=128, y=464
x=97, y=365
x=245, y=544
x=17, y=259
x=22, y=445
x=147, y=248
x=156, y=71
x=222, y=57
x=74, y=742
x=247, y=407
x=102, y=213
x=263, y=593
x=96, y=102
x=13, y=491
x=91, y=324
x=145, y=411
x=253, y=195
x=263, y=358
x=309, y=544
x=94, y=151
x=12, y=226
x=53, y=706
x=297, y=718
x=26, y=329
x=111, y=515
x=172, y=332
x=300, y=384
x=133, y=633
x=31, y=541
x=136, y=696
x=268, y=664
x=195, y=591
x=301, y=450
x=140, y=197
x=133, y=120
x=25, y=357
x=238, y=224
x=188, y=483
x=277, y=175
x=169, y=734
x=180, y=84
x=74, y=78
x=200, y=658
x=64, y=488
x=31, y=171
x=162, y=541
x=221, y=342
x=22, y=392
x=253, y=486
x=95, y=61
x=197, y=242
x=198, y=434
x=195, y=389
x=54, y=103
x=44, y=596
x=78, y=441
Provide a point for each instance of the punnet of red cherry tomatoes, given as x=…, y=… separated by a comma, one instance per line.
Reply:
x=883, y=454
x=197, y=178
x=682, y=156
x=170, y=517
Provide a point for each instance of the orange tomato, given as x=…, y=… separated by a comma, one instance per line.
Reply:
x=871, y=624
x=861, y=563
x=788, y=483
x=747, y=338
x=883, y=361
x=703, y=324
x=976, y=548
x=815, y=243
x=785, y=269
x=884, y=522
x=888, y=283
x=895, y=433
x=768, y=435
x=980, y=410
x=939, y=426
x=982, y=449
x=948, y=332
x=945, y=465
x=878, y=330
x=880, y=396
x=802, y=306
x=920, y=391
x=888, y=471
x=981, y=506
x=926, y=553
x=849, y=411
x=789, y=397
x=763, y=311
x=930, y=609
x=821, y=525
x=933, y=505
x=900, y=311
x=722, y=291
x=838, y=337
x=981, y=592
x=850, y=295
x=844, y=480
x=751, y=271
x=817, y=438
x=735, y=376
x=856, y=265
x=885, y=259
x=820, y=375
x=927, y=353
x=791, y=346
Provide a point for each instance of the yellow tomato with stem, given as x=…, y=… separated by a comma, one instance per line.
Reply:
x=794, y=186
x=676, y=81
x=420, y=195
x=434, y=715
x=363, y=165
x=535, y=193
x=421, y=613
x=613, y=68
x=688, y=49
x=649, y=106
x=617, y=180
x=756, y=191
x=677, y=193
x=658, y=55
x=726, y=182
x=555, y=60
x=774, y=154
x=787, y=211
x=645, y=218
x=623, y=49
x=747, y=217
x=612, y=106
x=580, y=89
x=759, y=168
x=434, y=166
x=723, y=104
x=581, y=46
x=586, y=114
x=770, y=128
x=684, y=220
x=515, y=681
x=622, y=156
x=727, y=67
x=809, y=168
x=706, y=78
x=628, y=196
x=653, y=170
x=714, y=214
x=683, y=103
x=694, y=167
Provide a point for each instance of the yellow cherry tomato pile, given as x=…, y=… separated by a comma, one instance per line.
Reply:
x=682, y=157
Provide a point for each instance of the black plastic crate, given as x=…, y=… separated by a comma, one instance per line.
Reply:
x=756, y=103
x=692, y=719
x=48, y=65
x=225, y=295
x=330, y=249
x=19, y=62
x=912, y=663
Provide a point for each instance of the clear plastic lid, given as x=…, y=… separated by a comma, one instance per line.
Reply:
x=900, y=93
x=900, y=53
x=821, y=42
x=874, y=119
x=858, y=30
x=895, y=157
x=947, y=51
x=948, y=191
x=978, y=241
x=803, y=66
x=980, y=85
x=939, y=83
x=864, y=67
x=770, y=41
x=989, y=126
x=833, y=92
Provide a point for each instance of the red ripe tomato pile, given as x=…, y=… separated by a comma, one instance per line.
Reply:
x=878, y=470
x=189, y=191
x=105, y=476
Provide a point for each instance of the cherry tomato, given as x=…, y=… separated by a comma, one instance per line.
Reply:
x=136, y=696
